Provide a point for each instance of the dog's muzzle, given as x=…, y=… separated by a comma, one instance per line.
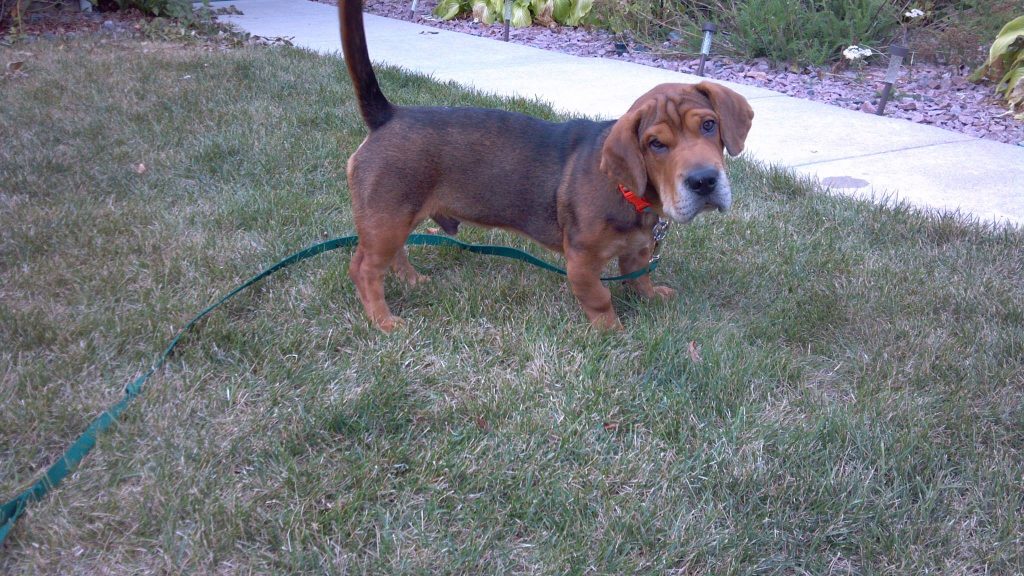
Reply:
x=701, y=190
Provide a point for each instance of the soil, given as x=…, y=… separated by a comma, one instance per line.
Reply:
x=57, y=21
x=925, y=93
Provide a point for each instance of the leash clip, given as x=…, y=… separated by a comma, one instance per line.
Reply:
x=659, y=232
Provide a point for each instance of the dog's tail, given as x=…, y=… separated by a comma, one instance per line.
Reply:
x=375, y=108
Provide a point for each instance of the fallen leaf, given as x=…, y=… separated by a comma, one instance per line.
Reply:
x=694, y=352
x=482, y=424
x=140, y=168
x=611, y=426
x=15, y=66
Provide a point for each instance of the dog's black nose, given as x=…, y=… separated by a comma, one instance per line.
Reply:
x=702, y=181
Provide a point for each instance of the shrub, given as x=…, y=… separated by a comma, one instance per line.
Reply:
x=1006, y=62
x=524, y=12
x=954, y=31
x=810, y=32
x=177, y=9
x=795, y=31
x=650, y=22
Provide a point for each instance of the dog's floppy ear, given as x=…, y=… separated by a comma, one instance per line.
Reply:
x=621, y=158
x=734, y=115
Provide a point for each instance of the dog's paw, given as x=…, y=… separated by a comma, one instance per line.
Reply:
x=389, y=323
x=408, y=275
x=607, y=323
x=415, y=278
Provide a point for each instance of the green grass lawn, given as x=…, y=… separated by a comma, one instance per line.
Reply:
x=852, y=403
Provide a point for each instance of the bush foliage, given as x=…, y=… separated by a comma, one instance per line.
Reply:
x=523, y=12
x=809, y=32
x=1006, y=65
x=179, y=9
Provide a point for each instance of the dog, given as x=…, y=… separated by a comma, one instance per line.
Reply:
x=592, y=191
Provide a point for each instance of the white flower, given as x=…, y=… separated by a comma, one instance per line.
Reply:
x=914, y=13
x=856, y=52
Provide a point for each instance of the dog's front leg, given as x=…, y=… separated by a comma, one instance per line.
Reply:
x=584, y=271
x=643, y=285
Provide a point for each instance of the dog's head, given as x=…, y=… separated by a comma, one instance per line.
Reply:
x=671, y=142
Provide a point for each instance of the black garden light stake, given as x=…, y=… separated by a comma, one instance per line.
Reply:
x=508, y=17
x=709, y=30
x=896, y=55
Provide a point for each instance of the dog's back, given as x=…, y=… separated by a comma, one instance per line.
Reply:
x=503, y=169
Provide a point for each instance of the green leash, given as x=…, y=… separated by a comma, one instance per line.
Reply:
x=55, y=474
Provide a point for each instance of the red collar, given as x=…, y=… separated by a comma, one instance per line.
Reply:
x=639, y=203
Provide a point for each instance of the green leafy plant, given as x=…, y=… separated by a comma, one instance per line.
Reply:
x=809, y=32
x=643, y=19
x=177, y=9
x=794, y=31
x=180, y=10
x=1006, y=62
x=448, y=9
x=524, y=12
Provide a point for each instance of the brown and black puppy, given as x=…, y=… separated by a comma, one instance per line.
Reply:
x=563, y=185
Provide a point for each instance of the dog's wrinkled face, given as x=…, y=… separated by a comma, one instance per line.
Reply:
x=670, y=143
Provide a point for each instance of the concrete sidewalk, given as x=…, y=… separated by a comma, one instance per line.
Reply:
x=853, y=152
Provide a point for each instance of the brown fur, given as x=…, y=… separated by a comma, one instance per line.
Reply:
x=555, y=183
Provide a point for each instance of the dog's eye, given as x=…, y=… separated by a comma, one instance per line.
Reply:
x=708, y=126
x=657, y=145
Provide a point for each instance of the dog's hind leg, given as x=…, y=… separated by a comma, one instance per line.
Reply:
x=448, y=224
x=378, y=248
x=403, y=268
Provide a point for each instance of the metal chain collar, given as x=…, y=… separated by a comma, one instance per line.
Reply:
x=659, y=232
